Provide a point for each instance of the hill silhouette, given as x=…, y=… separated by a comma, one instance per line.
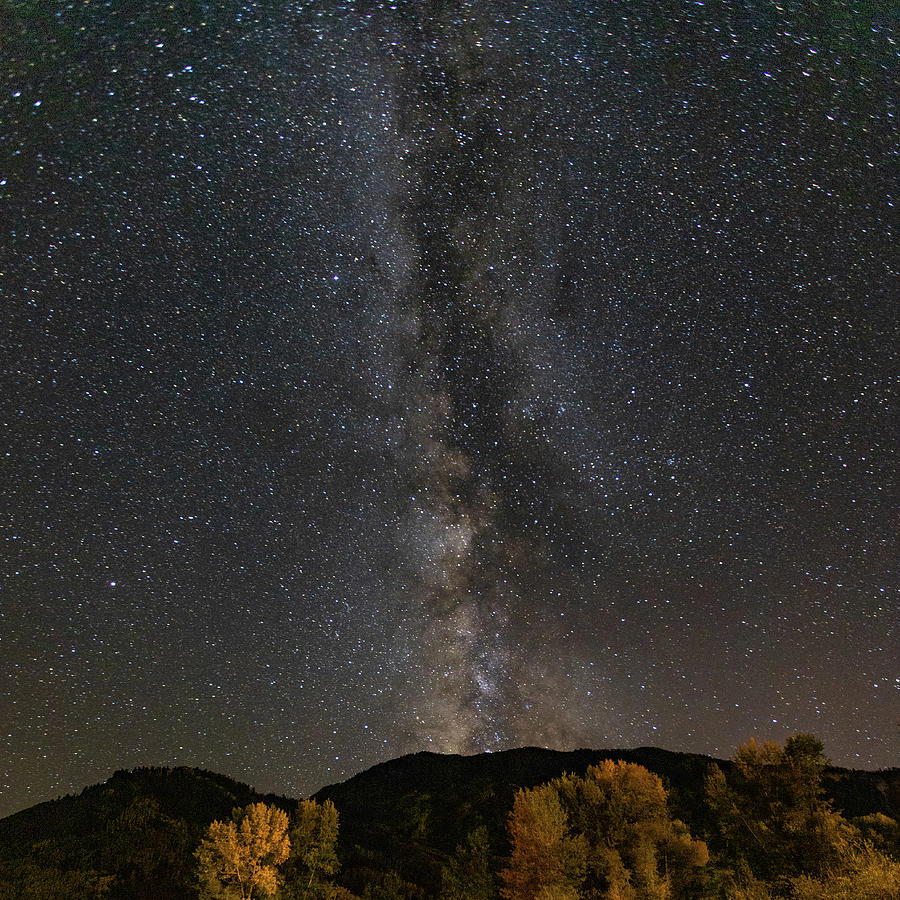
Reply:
x=410, y=813
x=133, y=836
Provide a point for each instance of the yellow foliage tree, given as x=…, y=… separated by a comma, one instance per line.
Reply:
x=313, y=833
x=772, y=815
x=240, y=859
x=607, y=834
x=636, y=849
x=546, y=863
x=864, y=874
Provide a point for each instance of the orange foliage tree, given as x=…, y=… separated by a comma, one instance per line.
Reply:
x=547, y=862
x=240, y=859
x=607, y=834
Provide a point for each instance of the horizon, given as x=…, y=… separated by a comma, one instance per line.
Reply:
x=266, y=791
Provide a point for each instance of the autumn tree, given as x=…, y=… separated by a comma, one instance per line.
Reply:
x=881, y=832
x=547, y=862
x=607, y=834
x=635, y=848
x=863, y=873
x=313, y=833
x=240, y=858
x=773, y=820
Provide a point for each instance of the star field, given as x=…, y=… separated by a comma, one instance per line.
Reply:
x=381, y=377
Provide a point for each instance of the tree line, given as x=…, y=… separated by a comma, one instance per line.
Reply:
x=767, y=832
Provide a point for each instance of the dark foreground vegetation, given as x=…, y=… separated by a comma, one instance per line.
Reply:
x=528, y=824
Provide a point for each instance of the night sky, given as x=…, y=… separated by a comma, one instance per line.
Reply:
x=380, y=377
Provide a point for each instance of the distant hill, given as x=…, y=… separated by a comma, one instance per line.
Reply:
x=133, y=836
x=410, y=813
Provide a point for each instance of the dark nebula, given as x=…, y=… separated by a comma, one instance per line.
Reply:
x=443, y=375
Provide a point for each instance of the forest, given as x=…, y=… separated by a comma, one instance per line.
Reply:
x=774, y=821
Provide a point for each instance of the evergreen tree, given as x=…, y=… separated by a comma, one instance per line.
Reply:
x=469, y=873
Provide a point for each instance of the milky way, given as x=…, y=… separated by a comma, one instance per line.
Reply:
x=454, y=376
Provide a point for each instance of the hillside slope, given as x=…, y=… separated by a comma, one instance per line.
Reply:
x=133, y=836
